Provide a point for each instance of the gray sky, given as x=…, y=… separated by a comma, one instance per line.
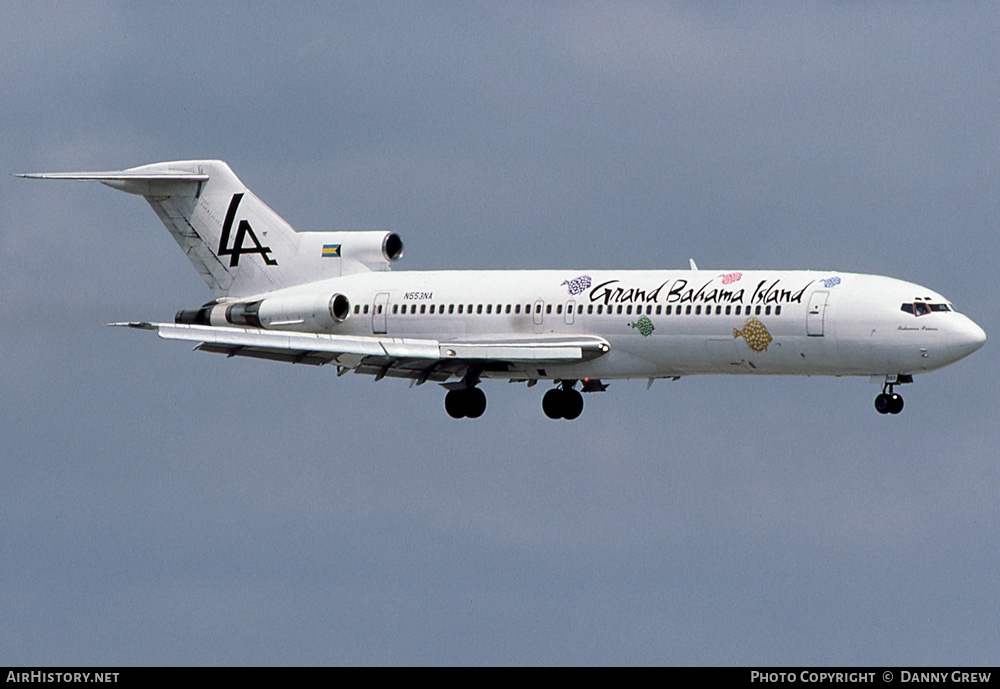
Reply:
x=167, y=507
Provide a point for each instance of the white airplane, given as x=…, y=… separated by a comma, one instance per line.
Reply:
x=329, y=298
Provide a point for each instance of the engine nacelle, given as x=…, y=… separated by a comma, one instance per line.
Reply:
x=375, y=249
x=305, y=313
x=346, y=253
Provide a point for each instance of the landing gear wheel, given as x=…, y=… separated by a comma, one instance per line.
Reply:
x=552, y=403
x=454, y=404
x=882, y=403
x=895, y=403
x=572, y=404
x=475, y=403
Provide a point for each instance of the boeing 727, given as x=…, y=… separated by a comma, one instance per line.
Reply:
x=326, y=298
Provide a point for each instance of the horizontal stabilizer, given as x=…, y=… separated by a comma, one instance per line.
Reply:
x=120, y=176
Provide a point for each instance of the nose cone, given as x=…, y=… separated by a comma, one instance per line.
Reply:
x=965, y=339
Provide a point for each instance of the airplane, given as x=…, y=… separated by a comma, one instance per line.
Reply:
x=329, y=297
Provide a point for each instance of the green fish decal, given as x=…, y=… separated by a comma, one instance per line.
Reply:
x=644, y=326
x=755, y=334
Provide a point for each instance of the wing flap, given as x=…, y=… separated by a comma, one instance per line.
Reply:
x=406, y=357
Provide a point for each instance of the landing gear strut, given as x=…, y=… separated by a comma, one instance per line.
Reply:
x=563, y=402
x=890, y=402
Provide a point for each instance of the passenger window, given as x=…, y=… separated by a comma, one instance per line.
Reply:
x=548, y=308
x=767, y=311
x=729, y=309
x=559, y=309
x=777, y=310
x=489, y=308
x=628, y=309
x=659, y=309
x=697, y=310
x=479, y=308
x=366, y=309
x=687, y=311
x=758, y=310
x=423, y=308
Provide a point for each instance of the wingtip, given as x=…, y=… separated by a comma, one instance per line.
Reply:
x=138, y=325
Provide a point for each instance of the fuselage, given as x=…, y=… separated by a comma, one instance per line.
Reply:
x=658, y=323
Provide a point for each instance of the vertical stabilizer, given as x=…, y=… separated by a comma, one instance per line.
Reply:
x=238, y=245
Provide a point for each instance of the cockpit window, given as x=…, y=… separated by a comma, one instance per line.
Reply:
x=922, y=308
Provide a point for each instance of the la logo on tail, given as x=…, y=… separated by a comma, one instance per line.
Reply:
x=243, y=230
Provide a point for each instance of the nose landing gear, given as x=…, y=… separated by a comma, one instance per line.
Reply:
x=890, y=402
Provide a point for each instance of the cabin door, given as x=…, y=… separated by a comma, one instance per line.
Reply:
x=816, y=313
x=379, y=309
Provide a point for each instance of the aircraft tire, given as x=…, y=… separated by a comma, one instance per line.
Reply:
x=475, y=403
x=572, y=404
x=552, y=403
x=454, y=404
x=895, y=403
x=882, y=403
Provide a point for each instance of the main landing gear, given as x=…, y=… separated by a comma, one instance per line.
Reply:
x=563, y=402
x=468, y=402
x=465, y=400
x=890, y=402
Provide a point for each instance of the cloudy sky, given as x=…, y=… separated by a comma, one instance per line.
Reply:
x=161, y=506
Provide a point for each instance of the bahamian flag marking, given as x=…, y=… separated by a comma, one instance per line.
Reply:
x=331, y=251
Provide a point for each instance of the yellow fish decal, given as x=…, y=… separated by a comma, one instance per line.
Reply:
x=755, y=334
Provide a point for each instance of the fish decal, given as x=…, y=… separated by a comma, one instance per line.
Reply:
x=831, y=282
x=755, y=334
x=577, y=285
x=644, y=326
x=730, y=278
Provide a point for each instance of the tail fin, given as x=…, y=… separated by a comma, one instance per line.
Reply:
x=239, y=246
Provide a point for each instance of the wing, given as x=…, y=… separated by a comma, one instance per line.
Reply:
x=419, y=359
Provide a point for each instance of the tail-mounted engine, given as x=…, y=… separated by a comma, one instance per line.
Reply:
x=308, y=313
x=332, y=254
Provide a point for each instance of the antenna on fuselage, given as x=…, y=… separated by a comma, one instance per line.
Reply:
x=694, y=266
